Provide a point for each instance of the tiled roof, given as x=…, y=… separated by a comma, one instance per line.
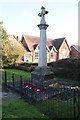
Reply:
x=34, y=46
x=77, y=47
x=33, y=41
x=50, y=47
x=57, y=43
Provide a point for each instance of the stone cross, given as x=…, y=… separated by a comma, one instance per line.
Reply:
x=42, y=15
x=42, y=76
x=42, y=46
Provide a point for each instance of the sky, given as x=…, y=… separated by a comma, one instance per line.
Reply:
x=21, y=16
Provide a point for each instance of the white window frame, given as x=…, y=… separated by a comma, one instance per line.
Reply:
x=52, y=55
x=28, y=57
x=64, y=53
x=36, y=55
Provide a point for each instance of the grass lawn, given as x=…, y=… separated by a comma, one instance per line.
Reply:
x=52, y=108
x=20, y=109
x=60, y=109
x=17, y=74
x=26, y=75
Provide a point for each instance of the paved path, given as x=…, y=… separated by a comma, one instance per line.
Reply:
x=9, y=95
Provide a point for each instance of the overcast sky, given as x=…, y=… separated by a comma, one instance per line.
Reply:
x=21, y=16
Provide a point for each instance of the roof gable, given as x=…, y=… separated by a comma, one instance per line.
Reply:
x=33, y=41
x=57, y=43
x=34, y=46
x=77, y=47
x=23, y=41
x=52, y=47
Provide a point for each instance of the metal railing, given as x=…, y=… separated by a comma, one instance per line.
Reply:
x=56, y=102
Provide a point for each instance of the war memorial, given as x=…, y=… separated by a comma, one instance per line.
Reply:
x=42, y=76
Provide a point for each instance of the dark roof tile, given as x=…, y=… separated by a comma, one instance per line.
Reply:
x=58, y=42
x=33, y=41
x=77, y=47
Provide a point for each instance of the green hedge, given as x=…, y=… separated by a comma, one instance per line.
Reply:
x=67, y=68
x=67, y=63
x=68, y=73
x=22, y=66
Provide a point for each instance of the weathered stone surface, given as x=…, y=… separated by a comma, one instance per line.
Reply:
x=42, y=76
x=42, y=47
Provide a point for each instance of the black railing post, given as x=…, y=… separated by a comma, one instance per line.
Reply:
x=21, y=85
x=5, y=78
x=74, y=102
x=78, y=104
x=13, y=79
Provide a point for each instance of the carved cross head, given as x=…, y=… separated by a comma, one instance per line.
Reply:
x=42, y=15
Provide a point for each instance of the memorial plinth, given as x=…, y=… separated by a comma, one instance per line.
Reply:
x=42, y=76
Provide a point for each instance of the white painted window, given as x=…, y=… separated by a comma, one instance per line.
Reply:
x=27, y=57
x=64, y=53
x=36, y=55
x=52, y=55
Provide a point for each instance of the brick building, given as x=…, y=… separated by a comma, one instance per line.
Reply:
x=75, y=51
x=56, y=49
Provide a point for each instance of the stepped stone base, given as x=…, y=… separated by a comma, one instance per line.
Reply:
x=42, y=76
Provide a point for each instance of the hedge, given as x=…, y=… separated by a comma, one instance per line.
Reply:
x=67, y=68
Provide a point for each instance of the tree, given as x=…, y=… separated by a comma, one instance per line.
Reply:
x=11, y=48
x=8, y=55
x=3, y=32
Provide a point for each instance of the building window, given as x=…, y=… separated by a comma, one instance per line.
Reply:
x=52, y=55
x=27, y=58
x=36, y=55
x=64, y=53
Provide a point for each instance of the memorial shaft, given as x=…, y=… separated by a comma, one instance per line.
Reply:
x=42, y=46
x=42, y=76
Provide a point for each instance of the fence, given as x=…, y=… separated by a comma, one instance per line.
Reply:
x=59, y=101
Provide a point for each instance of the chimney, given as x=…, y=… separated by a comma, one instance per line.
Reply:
x=18, y=38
